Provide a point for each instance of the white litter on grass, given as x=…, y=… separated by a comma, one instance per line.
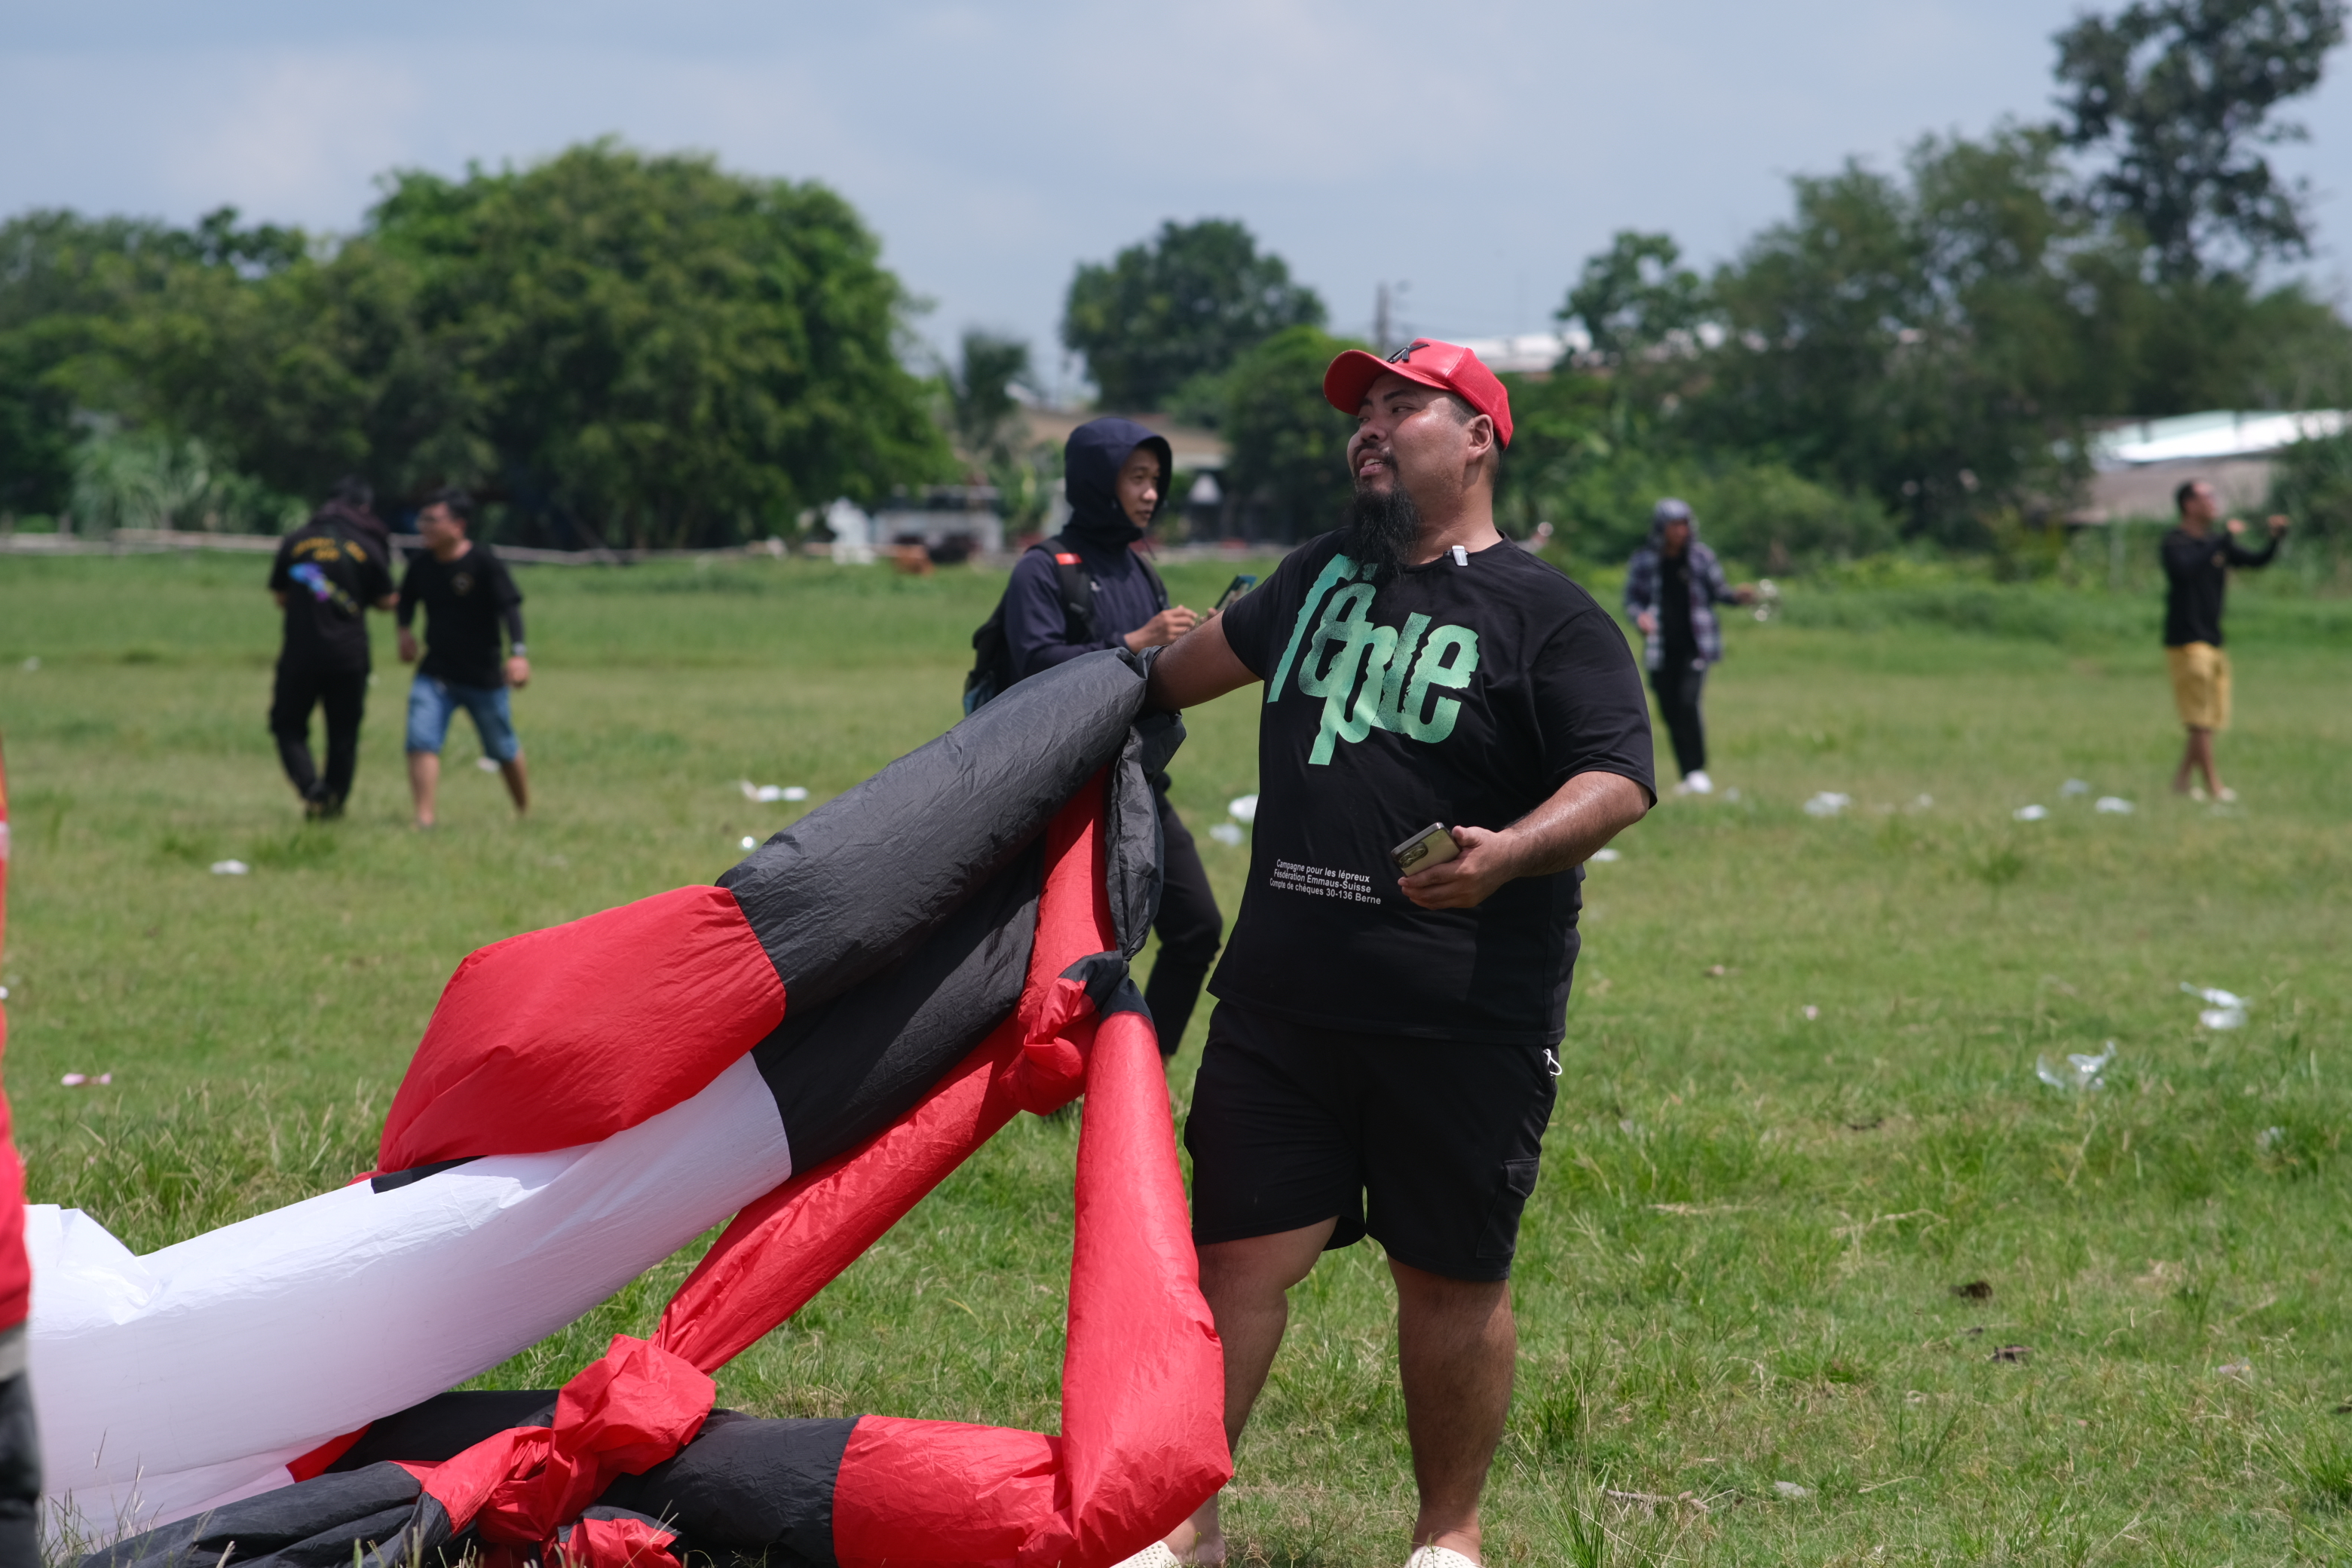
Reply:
x=1242, y=808
x=2228, y=1010
x=1792, y=1489
x=77, y=1079
x=2031, y=813
x=1923, y=802
x=1812, y=1013
x=32, y=664
x=2112, y=805
x=2084, y=1071
x=2074, y=787
x=2270, y=1138
x=486, y=764
x=1227, y=833
x=768, y=794
x=750, y=842
x=230, y=867
x=1828, y=803
x=1606, y=855
x=795, y=792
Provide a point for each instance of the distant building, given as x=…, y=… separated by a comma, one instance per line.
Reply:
x=951, y=522
x=2135, y=466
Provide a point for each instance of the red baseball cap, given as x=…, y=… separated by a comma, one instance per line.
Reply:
x=1447, y=366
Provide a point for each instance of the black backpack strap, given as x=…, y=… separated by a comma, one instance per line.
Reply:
x=1077, y=588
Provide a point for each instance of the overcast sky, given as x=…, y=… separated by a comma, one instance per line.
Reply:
x=1477, y=152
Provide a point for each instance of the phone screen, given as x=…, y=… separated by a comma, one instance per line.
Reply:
x=1242, y=583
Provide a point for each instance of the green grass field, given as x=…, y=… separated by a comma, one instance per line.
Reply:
x=1800, y=1106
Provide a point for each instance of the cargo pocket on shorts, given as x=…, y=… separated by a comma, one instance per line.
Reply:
x=1500, y=1236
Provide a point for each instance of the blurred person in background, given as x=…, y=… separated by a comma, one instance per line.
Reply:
x=2197, y=574
x=1672, y=586
x=468, y=594
x=326, y=574
x=20, y=1448
x=1086, y=589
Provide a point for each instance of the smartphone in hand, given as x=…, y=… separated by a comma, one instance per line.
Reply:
x=1432, y=845
x=1242, y=583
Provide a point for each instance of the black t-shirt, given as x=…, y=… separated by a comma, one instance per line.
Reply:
x=330, y=576
x=2197, y=571
x=1463, y=694
x=1675, y=608
x=463, y=602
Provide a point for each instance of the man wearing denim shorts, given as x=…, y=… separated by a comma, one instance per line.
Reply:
x=1382, y=1058
x=468, y=593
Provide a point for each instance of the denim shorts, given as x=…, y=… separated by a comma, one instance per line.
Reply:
x=432, y=702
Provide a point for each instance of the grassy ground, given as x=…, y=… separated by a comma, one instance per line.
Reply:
x=1800, y=1109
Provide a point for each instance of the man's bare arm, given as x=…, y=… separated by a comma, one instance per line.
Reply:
x=1196, y=668
x=1584, y=814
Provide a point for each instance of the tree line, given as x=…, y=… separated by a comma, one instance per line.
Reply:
x=1917, y=354
x=615, y=348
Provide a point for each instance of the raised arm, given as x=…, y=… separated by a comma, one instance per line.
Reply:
x=1196, y=668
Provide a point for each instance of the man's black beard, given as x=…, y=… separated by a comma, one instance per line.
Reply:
x=1381, y=526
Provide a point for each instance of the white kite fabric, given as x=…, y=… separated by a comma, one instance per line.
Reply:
x=190, y=1377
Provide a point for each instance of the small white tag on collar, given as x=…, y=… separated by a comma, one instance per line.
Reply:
x=1461, y=556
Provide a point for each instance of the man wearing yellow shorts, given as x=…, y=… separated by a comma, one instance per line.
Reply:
x=2197, y=569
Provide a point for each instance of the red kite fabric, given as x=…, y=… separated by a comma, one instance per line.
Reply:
x=868, y=1003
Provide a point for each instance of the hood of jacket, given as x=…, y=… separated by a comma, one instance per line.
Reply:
x=1658, y=533
x=1090, y=465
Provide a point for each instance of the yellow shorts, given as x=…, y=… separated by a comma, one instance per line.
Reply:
x=2200, y=685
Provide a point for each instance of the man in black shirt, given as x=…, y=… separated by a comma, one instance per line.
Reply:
x=326, y=574
x=1382, y=1058
x=2197, y=572
x=468, y=593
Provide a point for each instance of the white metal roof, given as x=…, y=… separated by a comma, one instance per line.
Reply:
x=2220, y=433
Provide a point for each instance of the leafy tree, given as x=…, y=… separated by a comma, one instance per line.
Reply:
x=144, y=479
x=1186, y=303
x=67, y=285
x=1635, y=297
x=2312, y=485
x=1289, y=446
x=983, y=414
x=660, y=350
x=1931, y=340
x=611, y=347
x=2181, y=92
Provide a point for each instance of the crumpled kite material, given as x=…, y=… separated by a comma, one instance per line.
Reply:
x=952, y=939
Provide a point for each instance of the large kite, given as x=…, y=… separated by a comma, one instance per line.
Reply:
x=809, y=1046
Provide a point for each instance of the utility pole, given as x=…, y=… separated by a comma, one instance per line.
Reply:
x=1380, y=344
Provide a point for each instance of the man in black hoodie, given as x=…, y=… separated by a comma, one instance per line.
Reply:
x=1114, y=473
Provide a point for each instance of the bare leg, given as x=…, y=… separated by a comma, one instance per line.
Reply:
x=518, y=784
x=2198, y=756
x=1247, y=1285
x=423, y=783
x=1457, y=1343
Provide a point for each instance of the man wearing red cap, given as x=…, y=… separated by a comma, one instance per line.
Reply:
x=1382, y=1058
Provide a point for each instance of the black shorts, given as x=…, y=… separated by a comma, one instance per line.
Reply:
x=1428, y=1147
